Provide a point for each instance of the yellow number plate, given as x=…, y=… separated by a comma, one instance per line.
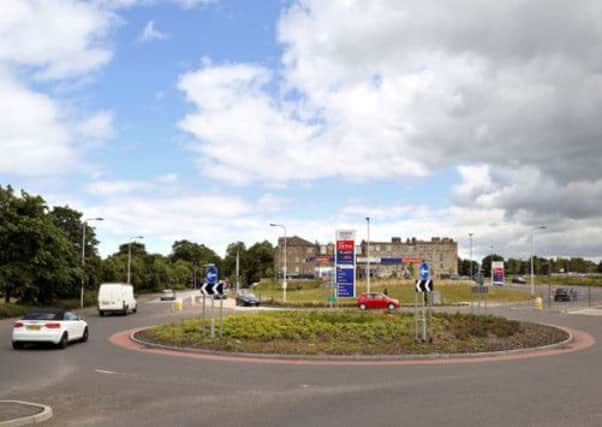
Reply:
x=34, y=328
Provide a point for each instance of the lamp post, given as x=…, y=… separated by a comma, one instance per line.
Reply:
x=368, y=256
x=470, y=237
x=84, y=225
x=284, y=283
x=132, y=239
x=541, y=227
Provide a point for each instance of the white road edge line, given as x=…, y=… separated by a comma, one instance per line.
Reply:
x=102, y=371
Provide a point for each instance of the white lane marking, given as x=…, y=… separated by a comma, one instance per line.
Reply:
x=102, y=371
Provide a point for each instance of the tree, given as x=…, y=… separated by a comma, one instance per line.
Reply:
x=229, y=262
x=35, y=256
x=486, y=264
x=260, y=261
x=464, y=267
x=70, y=222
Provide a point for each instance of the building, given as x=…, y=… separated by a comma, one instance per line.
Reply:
x=399, y=258
x=299, y=256
x=396, y=258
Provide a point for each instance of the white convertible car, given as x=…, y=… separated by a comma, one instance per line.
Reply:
x=58, y=327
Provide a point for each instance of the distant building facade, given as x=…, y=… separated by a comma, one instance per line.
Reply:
x=397, y=258
x=441, y=254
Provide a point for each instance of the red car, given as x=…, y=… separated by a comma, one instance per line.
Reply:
x=376, y=300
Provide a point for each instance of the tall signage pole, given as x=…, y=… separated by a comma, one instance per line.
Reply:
x=345, y=264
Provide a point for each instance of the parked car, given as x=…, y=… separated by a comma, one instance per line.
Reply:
x=54, y=326
x=168, y=295
x=247, y=299
x=520, y=280
x=116, y=298
x=565, y=295
x=376, y=300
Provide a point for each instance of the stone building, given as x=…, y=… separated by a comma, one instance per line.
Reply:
x=441, y=254
x=298, y=252
x=396, y=258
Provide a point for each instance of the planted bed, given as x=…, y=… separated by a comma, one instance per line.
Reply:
x=354, y=333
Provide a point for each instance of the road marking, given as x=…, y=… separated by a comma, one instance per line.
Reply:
x=102, y=371
x=588, y=312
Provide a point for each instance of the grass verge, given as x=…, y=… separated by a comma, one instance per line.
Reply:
x=354, y=333
x=312, y=293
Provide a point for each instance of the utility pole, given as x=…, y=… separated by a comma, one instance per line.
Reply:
x=130, y=255
x=237, y=269
x=471, y=273
x=284, y=283
x=541, y=227
x=368, y=256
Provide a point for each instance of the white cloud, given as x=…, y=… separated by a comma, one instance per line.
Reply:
x=430, y=87
x=98, y=127
x=150, y=33
x=34, y=140
x=58, y=39
x=52, y=41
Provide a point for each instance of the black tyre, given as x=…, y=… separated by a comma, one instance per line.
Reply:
x=64, y=342
x=101, y=313
x=85, y=335
x=17, y=345
x=135, y=310
x=363, y=307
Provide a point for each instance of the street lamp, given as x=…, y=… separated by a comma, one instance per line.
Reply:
x=470, y=237
x=284, y=283
x=541, y=227
x=368, y=256
x=84, y=225
x=132, y=239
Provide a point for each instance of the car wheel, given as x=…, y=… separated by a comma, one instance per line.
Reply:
x=17, y=345
x=391, y=306
x=363, y=307
x=135, y=310
x=85, y=335
x=101, y=313
x=64, y=342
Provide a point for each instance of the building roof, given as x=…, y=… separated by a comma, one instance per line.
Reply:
x=295, y=241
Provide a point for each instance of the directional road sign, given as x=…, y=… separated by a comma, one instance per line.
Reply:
x=212, y=288
x=424, y=271
x=211, y=275
x=425, y=286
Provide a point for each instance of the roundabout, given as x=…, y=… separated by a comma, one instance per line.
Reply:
x=388, y=341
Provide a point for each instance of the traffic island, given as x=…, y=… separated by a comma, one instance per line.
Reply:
x=355, y=335
x=15, y=413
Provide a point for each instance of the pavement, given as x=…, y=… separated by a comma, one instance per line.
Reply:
x=101, y=384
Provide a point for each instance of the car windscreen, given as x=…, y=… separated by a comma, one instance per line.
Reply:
x=43, y=315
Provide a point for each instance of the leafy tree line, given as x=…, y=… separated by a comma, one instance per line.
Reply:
x=40, y=255
x=541, y=266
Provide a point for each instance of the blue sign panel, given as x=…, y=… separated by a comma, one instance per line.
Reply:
x=424, y=271
x=391, y=260
x=345, y=282
x=211, y=274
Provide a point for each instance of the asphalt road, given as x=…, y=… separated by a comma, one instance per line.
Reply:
x=99, y=384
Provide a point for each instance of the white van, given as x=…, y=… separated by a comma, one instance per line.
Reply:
x=116, y=298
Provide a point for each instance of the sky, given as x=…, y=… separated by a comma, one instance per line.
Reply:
x=210, y=119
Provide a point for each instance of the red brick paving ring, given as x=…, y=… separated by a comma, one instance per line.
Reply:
x=581, y=340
